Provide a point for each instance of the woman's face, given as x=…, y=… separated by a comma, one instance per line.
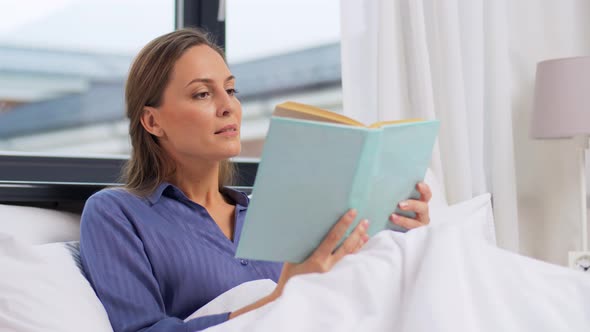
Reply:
x=199, y=117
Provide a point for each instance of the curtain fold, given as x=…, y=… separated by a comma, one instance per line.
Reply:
x=447, y=60
x=471, y=64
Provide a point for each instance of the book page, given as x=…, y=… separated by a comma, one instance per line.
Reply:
x=300, y=111
x=306, y=112
x=386, y=123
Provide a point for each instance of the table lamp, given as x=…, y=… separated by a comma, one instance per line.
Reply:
x=562, y=110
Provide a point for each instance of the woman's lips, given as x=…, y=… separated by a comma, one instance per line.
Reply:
x=229, y=130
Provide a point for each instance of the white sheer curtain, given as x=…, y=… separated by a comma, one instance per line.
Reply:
x=471, y=64
x=447, y=60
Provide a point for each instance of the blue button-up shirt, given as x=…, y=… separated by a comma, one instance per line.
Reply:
x=155, y=260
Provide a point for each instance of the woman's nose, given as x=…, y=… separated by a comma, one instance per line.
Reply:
x=224, y=104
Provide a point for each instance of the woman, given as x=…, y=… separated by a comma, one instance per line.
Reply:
x=162, y=247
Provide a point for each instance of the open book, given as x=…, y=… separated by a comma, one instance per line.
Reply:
x=317, y=164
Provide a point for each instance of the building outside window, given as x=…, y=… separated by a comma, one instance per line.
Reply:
x=63, y=65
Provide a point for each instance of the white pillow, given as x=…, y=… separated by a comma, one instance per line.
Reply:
x=467, y=211
x=42, y=289
x=37, y=226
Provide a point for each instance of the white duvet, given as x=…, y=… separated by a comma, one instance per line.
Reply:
x=445, y=277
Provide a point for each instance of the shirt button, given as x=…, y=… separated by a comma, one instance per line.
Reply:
x=243, y=262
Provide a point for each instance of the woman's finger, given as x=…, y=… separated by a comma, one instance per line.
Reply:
x=331, y=240
x=405, y=222
x=424, y=218
x=364, y=239
x=419, y=207
x=352, y=241
x=424, y=190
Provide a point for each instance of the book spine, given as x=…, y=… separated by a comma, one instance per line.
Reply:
x=366, y=170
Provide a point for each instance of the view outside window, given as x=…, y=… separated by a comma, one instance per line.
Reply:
x=279, y=51
x=63, y=64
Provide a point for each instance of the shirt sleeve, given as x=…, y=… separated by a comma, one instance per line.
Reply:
x=117, y=267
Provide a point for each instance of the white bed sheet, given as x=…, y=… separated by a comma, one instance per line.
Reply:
x=447, y=277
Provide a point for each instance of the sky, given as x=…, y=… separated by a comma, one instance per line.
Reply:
x=254, y=28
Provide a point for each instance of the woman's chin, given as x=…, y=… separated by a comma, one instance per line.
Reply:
x=233, y=151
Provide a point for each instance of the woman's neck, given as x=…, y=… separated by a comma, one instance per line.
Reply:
x=199, y=181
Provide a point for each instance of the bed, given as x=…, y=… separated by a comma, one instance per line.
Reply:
x=41, y=198
x=446, y=277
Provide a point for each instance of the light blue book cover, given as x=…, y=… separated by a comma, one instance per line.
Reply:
x=312, y=172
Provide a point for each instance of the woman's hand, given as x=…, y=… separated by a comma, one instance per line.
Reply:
x=326, y=254
x=322, y=259
x=420, y=207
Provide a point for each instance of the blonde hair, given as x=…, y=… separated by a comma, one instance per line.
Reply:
x=149, y=165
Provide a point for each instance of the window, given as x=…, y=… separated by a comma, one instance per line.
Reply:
x=278, y=51
x=62, y=69
x=63, y=65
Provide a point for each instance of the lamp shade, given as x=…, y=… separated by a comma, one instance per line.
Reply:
x=562, y=98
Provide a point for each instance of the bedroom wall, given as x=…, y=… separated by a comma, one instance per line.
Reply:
x=547, y=175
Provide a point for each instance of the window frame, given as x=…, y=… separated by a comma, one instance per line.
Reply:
x=202, y=14
x=46, y=180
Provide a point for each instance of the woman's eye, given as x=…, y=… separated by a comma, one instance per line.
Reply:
x=232, y=92
x=201, y=95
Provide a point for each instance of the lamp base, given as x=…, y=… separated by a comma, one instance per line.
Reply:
x=580, y=260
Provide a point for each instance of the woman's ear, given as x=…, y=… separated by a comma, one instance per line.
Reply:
x=150, y=120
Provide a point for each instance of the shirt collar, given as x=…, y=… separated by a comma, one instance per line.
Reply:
x=240, y=198
x=154, y=197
